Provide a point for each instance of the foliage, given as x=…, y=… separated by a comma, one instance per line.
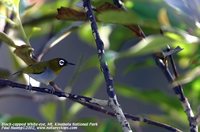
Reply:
x=117, y=29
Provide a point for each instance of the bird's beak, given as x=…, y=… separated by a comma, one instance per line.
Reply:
x=70, y=63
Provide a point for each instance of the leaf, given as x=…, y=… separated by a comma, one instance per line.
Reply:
x=162, y=100
x=125, y=18
x=119, y=36
x=85, y=34
x=58, y=37
x=4, y=37
x=151, y=44
x=98, y=3
x=172, y=119
x=90, y=63
x=4, y=73
x=20, y=119
x=163, y=17
x=175, y=18
x=7, y=3
x=187, y=77
x=48, y=111
x=24, y=5
x=191, y=9
x=180, y=35
x=65, y=13
x=138, y=65
x=34, y=31
x=16, y=3
x=25, y=53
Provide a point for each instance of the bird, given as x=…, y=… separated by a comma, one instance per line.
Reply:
x=45, y=71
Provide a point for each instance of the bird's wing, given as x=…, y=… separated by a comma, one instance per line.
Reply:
x=35, y=68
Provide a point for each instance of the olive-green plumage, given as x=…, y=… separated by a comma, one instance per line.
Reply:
x=41, y=66
x=45, y=71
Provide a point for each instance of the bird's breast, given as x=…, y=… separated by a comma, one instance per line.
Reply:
x=45, y=77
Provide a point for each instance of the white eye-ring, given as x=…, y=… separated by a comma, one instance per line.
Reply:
x=61, y=62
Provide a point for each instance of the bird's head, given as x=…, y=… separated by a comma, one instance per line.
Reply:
x=57, y=64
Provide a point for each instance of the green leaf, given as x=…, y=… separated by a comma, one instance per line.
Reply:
x=23, y=6
x=85, y=34
x=150, y=9
x=147, y=63
x=20, y=119
x=188, y=77
x=16, y=3
x=90, y=63
x=97, y=3
x=4, y=37
x=156, y=97
x=58, y=38
x=119, y=36
x=7, y=3
x=4, y=73
x=48, y=111
x=180, y=35
x=126, y=18
x=148, y=45
x=172, y=119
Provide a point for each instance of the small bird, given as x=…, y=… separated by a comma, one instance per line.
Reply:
x=45, y=71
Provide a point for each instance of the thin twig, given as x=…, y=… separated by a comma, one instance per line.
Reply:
x=57, y=38
x=118, y=3
x=109, y=81
x=179, y=91
x=90, y=103
x=133, y=118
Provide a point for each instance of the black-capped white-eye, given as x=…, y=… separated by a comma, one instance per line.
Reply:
x=61, y=62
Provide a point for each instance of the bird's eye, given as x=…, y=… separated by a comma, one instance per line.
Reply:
x=61, y=62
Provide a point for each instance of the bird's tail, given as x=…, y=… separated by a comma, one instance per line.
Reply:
x=15, y=75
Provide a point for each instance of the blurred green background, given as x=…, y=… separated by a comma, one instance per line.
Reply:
x=141, y=87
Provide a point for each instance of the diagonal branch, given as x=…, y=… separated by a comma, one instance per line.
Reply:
x=109, y=81
x=91, y=103
x=74, y=97
x=178, y=90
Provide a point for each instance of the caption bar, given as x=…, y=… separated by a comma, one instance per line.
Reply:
x=46, y=126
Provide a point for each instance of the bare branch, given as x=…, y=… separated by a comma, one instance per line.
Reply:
x=109, y=81
x=91, y=103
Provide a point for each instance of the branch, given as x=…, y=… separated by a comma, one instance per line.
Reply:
x=133, y=118
x=118, y=3
x=57, y=38
x=109, y=81
x=74, y=97
x=91, y=103
x=178, y=90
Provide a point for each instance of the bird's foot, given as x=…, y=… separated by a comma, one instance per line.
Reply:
x=29, y=87
x=55, y=87
x=52, y=90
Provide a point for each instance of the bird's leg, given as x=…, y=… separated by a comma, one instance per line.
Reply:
x=29, y=84
x=55, y=87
